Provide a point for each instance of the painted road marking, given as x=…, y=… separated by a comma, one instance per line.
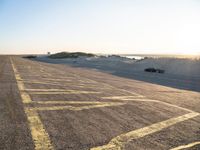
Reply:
x=76, y=108
x=68, y=102
x=66, y=92
x=50, y=83
x=128, y=98
x=186, y=146
x=59, y=91
x=136, y=99
x=39, y=135
x=50, y=79
x=121, y=97
x=45, y=90
x=103, y=84
x=120, y=141
x=60, y=78
x=95, y=82
x=25, y=97
x=41, y=82
x=86, y=107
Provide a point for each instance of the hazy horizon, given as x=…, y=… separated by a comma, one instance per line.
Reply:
x=107, y=26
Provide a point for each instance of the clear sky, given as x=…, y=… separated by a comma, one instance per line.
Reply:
x=100, y=26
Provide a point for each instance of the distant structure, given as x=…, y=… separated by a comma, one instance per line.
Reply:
x=48, y=53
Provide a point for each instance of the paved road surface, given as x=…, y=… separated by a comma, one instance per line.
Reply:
x=47, y=106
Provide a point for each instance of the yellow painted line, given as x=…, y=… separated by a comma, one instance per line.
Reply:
x=51, y=83
x=31, y=75
x=112, y=87
x=39, y=135
x=175, y=106
x=85, y=81
x=131, y=98
x=77, y=108
x=50, y=90
x=68, y=102
x=132, y=93
x=45, y=90
x=119, y=141
x=186, y=146
x=121, y=97
x=41, y=82
x=66, y=92
x=92, y=86
x=25, y=97
x=21, y=85
x=60, y=78
x=139, y=100
x=50, y=79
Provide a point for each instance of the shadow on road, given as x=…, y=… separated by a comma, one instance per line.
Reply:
x=170, y=80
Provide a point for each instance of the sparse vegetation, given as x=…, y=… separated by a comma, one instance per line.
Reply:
x=70, y=55
x=30, y=56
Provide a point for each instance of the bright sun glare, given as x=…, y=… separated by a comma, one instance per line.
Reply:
x=191, y=52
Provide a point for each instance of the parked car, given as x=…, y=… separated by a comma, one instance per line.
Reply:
x=154, y=70
x=150, y=70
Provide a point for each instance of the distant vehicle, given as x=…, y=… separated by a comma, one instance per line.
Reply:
x=150, y=70
x=154, y=70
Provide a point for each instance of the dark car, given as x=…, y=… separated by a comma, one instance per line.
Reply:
x=154, y=70
x=150, y=70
